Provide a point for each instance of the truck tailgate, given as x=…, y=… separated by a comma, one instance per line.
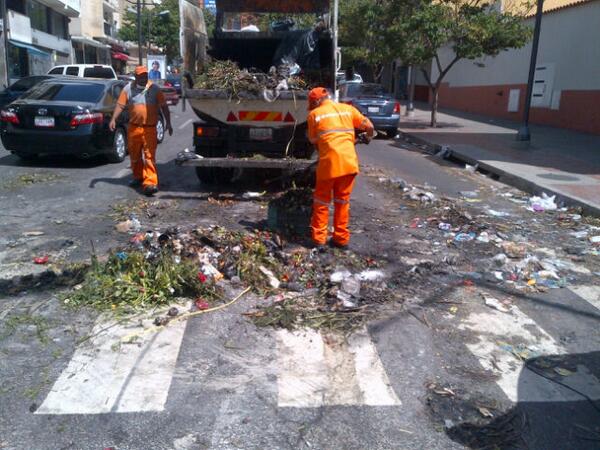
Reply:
x=286, y=109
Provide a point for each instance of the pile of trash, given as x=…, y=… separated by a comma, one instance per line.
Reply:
x=304, y=287
x=227, y=76
x=290, y=213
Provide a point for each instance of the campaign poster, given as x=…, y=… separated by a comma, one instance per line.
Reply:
x=157, y=67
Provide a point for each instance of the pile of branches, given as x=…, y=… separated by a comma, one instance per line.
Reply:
x=227, y=76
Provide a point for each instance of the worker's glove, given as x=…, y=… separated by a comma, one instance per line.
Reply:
x=363, y=138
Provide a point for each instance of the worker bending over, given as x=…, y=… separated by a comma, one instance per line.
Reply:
x=143, y=99
x=331, y=127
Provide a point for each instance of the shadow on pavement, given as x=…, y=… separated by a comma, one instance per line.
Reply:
x=556, y=425
x=56, y=162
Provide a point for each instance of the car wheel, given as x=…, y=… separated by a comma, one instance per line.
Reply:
x=391, y=132
x=160, y=130
x=119, y=147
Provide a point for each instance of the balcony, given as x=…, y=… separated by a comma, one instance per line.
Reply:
x=70, y=8
x=112, y=5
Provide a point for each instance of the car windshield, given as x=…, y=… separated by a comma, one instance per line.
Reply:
x=71, y=92
x=98, y=72
x=356, y=89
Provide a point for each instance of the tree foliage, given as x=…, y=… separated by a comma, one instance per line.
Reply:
x=164, y=28
x=419, y=31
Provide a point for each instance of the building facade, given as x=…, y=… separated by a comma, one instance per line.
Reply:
x=37, y=36
x=95, y=34
x=566, y=90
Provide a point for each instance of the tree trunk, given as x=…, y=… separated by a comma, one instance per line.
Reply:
x=434, y=105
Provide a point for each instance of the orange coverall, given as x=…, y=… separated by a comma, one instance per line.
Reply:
x=331, y=127
x=142, y=106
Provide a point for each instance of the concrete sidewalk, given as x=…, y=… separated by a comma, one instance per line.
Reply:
x=556, y=161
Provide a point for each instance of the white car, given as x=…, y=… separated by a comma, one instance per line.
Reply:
x=85, y=71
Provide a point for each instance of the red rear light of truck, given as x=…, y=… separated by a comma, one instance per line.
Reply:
x=86, y=119
x=207, y=131
x=397, y=108
x=9, y=116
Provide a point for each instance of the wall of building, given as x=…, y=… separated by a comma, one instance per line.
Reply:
x=569, y=47
x=90, y=20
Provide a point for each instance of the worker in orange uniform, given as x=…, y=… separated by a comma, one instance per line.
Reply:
x=143, y=99
x=331, y=127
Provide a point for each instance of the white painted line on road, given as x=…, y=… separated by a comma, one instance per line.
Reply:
x=185, y=124
x=590, y=294
x=315, y=370
x=122, y=173
x=372, y=379
x=495, y=329
x=133, y=378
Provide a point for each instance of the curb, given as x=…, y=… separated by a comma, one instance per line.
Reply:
x=503, y=176
x=48, y=279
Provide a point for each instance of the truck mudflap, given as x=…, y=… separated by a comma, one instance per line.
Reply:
x=291, y=164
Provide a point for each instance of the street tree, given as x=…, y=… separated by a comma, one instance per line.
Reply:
x=361, y=24
x=162, y=21
x=420, y=30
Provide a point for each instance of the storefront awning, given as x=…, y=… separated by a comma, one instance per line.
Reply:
x=87, y=41
x=120, y=56
x=31, y=48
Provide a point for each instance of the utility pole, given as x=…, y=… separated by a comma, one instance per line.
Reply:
x=523, y=134
x=5, y=39
x=410, y=107
x=335, y=47
x=139, y=30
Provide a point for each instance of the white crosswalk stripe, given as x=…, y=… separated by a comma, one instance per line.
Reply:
x=133, y=378
x=590, y=294
x=317, y=370
x=500, y=335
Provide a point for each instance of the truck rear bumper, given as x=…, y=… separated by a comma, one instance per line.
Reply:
x=236, y=141
x=262, y=163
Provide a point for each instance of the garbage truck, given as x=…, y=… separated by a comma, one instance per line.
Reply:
x=255, y=130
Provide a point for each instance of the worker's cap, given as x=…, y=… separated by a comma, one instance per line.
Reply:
x=315, y=95
x=140, y=70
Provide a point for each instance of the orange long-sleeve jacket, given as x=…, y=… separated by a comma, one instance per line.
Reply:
x=331, y=127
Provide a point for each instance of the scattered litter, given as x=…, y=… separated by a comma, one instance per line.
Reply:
x=41, y=260
x=493, y=302
x=273, y=281
x=173, y=311
x=464, y=237
x=201, y=304
x=470, y=168
x=483, y=237
x=494, y=213
x=484, y=412
x=514, y=250
x=595, y=239
x=161, y=321
x=500, y=259
x=563, y=372
x=579, y=234
x=519, y=351
x=543, y=203
x=249, y=194
x=371, y=275
x=33, y=233
x=444, y=226
x=129, y=225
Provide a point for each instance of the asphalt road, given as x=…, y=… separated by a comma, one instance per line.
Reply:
x=220, y=383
